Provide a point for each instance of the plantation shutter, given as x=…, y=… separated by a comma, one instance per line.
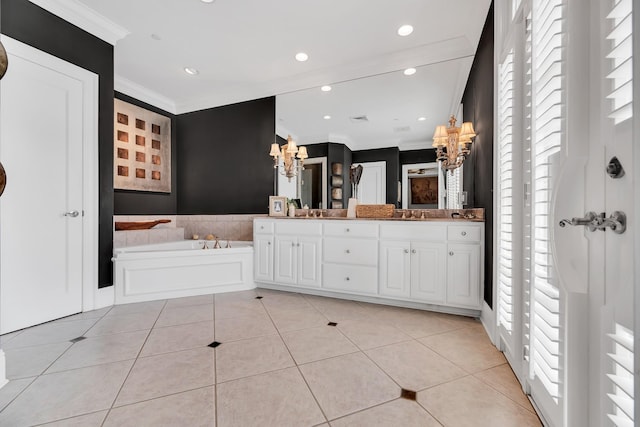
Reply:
x=621, y=377
x=621, y=53
x=620, y=358
x=505, y=196
x=548, y=134
x=527, y=176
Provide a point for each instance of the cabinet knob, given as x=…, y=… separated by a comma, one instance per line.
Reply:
x=347, y=279
x=406, y=251
x=293, y=245
x=451, y=253
x=298, y=245
x=262, y=227
x=347, y=230
x=464, y=233
x=268, y=243
x=347, y=251
x=413, y=251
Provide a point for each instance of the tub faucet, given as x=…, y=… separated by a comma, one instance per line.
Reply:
x=228, y=244
x=217, y=245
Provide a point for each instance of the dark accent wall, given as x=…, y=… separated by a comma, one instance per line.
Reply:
x=478, y=168
x=417, y=156
x=223, y=161
x=390, y=155
x=146, y=203
x=30, y=24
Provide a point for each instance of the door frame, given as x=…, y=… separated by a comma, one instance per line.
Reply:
x=90, y=169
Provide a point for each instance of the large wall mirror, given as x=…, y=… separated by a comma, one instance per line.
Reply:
x=389, y=110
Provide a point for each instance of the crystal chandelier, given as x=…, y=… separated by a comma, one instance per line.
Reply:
x=453, y=143
x=290, y=165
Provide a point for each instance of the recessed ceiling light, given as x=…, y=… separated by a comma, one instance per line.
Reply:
x=405, y=30
x=422, y=119
x=207, y=1
x=327, y=117
x=301, y=56
x=325, y=88
x=191, y=71
x=409, y=71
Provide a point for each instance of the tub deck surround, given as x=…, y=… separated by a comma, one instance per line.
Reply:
x=231, y=227
x=434, y=264
x=181, y=269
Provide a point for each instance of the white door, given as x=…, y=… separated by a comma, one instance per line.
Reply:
x=463, y=275
x=286, y=259
x=309, y=260
x=395, y=268
x=263, y=258
x=41, y=211
x=373, y=183
x=428, y=269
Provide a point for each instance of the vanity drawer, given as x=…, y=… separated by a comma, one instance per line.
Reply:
x=350, y=278
x=298, y=227
x=350, y=251
x=463, y=233
x=263, y=227
x=433, y=232
x=350, y=229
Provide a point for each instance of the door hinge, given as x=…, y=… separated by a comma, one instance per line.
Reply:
x=525, y=352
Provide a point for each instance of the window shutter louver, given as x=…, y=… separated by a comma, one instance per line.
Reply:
x=620, y=56
x=547, y=140
x=505, y=196
x=621, y=377
x=527, y=222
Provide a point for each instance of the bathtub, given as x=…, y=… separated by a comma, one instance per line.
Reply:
x=181, y=269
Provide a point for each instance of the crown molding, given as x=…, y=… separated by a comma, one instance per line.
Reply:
x=85, y=18
x=143, y=94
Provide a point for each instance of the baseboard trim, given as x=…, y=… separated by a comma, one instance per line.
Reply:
x=105, y=297
x=488, y=319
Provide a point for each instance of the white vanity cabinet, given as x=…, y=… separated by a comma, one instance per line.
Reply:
x=263, y=250
x=464, y=265
x=350, y=257
x=297, y=255
x=421, y=264
x=413, y=262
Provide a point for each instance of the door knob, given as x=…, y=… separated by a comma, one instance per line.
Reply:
x=617, y=222
x=591, y=220
x=72, y=214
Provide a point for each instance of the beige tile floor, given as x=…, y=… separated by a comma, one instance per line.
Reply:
x=279, y=364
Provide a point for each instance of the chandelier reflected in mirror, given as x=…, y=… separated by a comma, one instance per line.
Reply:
x=288, y=158
x=453, y=143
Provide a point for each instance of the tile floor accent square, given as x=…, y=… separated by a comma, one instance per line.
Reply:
x=350, y=383
x=77, y=339
x=332, y=324
x=214, y=344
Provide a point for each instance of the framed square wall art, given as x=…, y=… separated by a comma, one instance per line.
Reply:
x=277, y=206
x=141, y=149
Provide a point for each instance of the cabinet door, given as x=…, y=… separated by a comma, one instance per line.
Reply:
x=428, y=269
x=395, y=268
x=263, y=257
x=463, y=275
x=309, y=259
x=286, y=260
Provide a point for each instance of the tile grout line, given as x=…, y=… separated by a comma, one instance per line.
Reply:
x=43, y=372
x=215, y=368
x=326, y=419
x=132, y=366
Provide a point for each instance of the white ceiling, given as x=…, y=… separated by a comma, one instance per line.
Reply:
x=244, y=49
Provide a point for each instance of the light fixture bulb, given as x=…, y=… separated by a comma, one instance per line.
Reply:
x=327, y=117
x=325, y=88
x=422, y=119
x=409, y=71
x=405, y=30
x=301, y=56
x=191, y=71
